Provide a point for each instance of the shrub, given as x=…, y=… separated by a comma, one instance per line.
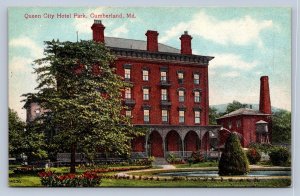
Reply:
x=174, y=160
x=28, y=170
x=197, y=157
x=279, y=156
x=233, y=160
x=253, y=155
x=87, y=179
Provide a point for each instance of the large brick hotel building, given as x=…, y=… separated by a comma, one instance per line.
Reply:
x=169, y=98
x=169, y=94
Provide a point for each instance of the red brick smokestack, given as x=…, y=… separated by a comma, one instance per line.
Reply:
x=98, y=31
x=152, y=41
x=186, y=43
x=264, y=101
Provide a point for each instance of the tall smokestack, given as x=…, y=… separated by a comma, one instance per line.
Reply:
x=98, y=31
x=264, y=101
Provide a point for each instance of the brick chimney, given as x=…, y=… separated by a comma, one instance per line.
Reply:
x=264, y=101
x=98, y=31
x=186, y=43
x=152, y=41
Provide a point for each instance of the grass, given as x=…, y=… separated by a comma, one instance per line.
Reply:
x=183, y=183
x=34, y=181
x=24, y=181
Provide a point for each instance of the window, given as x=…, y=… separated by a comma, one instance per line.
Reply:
x=127, y=73
x=181, y=95
x=196, y=79
x=164, y=116
x=127, y=93
x=146, y=116
x=145, y=75
x=163, y=76
x=238, y=123
x=229, y=124
x=181, y=116
x=180, y=77
x=128, y=113
x=197, y=96
x=164, y=94
x=145, y=94
x=197, y=117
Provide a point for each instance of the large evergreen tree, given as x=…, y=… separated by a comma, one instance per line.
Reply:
x=233, y=159
x=79, y=88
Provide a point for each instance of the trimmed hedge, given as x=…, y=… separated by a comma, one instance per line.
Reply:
x=279, y=156
x=233, y=160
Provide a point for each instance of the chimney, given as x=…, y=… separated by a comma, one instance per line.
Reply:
x=98, y=31
x=152, y=41
x=186, y=43
x=264, y=101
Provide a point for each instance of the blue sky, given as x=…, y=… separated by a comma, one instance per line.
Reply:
x=246, y=42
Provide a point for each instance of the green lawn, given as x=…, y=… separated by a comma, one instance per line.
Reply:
x=184, y=183
x=33, y=181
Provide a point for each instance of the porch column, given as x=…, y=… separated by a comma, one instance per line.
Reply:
x=182, y=144
x=164, y=147
x=146, y=145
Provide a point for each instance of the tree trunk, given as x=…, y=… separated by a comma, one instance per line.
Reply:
x=72, y=164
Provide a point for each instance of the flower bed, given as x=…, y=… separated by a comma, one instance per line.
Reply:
x=87, y=179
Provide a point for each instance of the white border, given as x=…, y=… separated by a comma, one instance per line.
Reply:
x=5, y=190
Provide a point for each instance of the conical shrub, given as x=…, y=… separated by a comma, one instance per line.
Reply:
x=233, y=160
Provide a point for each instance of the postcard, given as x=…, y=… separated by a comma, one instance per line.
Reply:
x=149, y=97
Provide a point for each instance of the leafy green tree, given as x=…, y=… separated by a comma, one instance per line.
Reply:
x=281, y=127
x=79, y=88
x=25, y=139
x=16, y=133
x=234, y=106
x=233, y=159
x=213, y=115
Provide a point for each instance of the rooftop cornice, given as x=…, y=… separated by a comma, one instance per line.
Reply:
x=162, y=57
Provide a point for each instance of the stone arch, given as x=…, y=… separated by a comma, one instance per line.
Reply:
x=191, y=141
x=156, y=144
x=205, y=145
x=173, y=141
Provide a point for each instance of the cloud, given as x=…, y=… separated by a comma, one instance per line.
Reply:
x=240, y=31
x=231, y=60
x=20, y=65
x=232, y=74
x=26, y=42
x=120, y=30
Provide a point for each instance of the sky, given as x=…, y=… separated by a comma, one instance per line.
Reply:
x=247, y=43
